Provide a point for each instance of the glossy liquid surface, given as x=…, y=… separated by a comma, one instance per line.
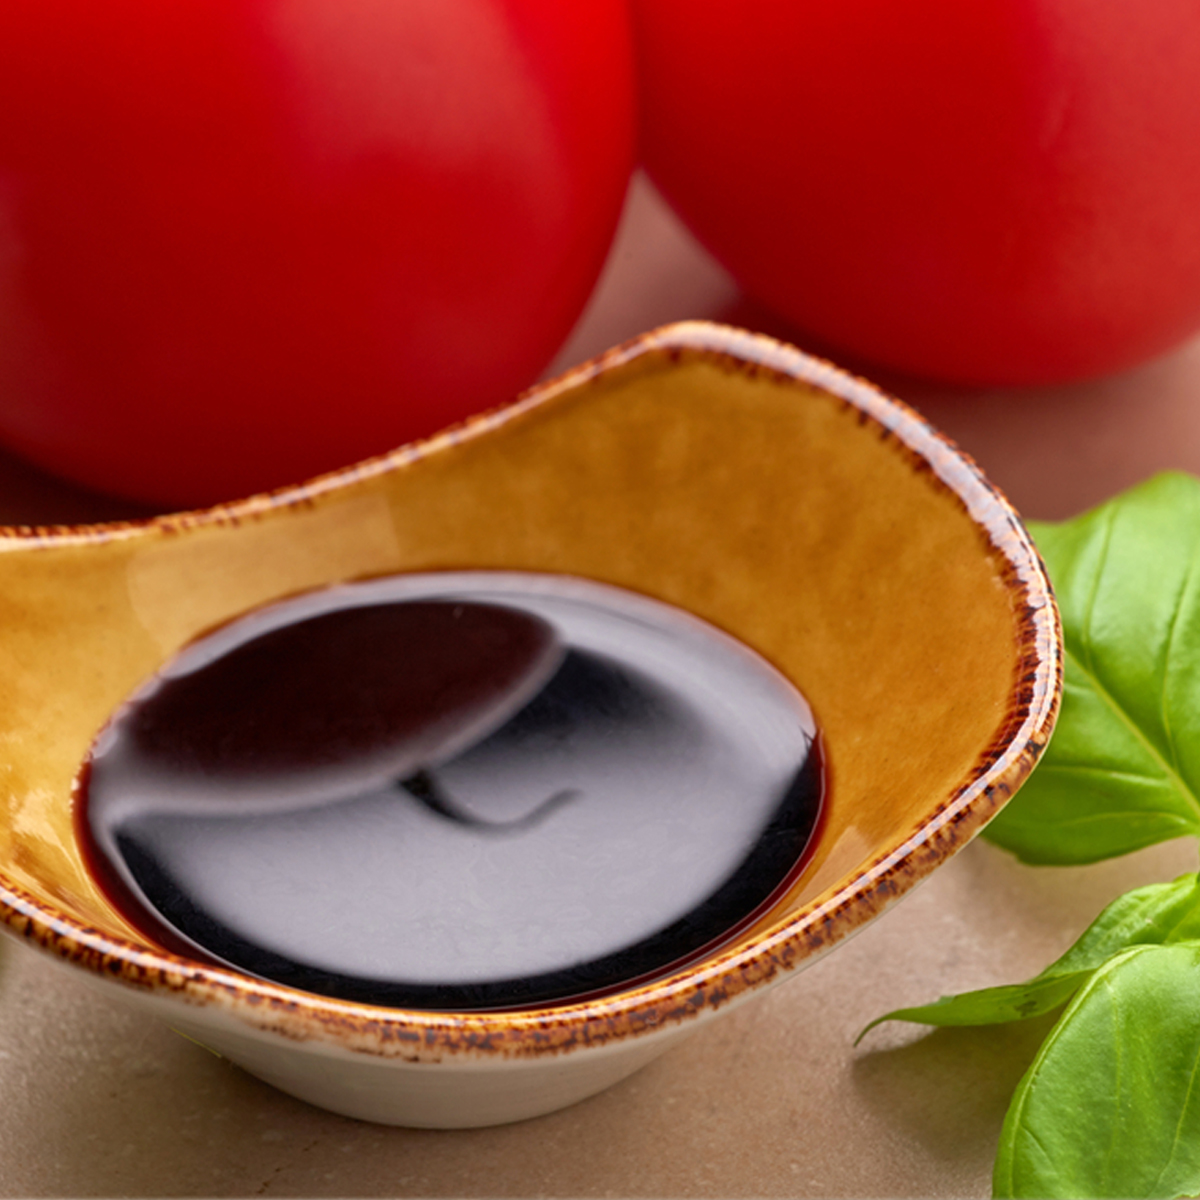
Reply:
x=454, y=791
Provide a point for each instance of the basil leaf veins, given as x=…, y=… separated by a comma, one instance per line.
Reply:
x=1123, y=768
x=1111, y=1104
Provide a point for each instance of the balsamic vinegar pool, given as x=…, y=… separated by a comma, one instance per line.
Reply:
x=454, y=791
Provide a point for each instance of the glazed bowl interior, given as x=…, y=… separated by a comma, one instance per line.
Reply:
x=823, y=525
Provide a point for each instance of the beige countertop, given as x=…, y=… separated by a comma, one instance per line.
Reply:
x=774, y=1099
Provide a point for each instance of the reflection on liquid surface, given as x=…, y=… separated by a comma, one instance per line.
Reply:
x=454, y=790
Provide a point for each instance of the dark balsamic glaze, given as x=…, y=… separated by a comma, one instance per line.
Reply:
x=454, y=791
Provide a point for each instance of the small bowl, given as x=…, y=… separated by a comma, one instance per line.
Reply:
x=823, y=524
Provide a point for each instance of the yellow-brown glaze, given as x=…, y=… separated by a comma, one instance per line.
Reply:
x=820, y=522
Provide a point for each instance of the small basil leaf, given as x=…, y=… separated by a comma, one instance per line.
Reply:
x=990, y=1006
x=1123, y=768
x=1159, y=914
x=1111, y=1104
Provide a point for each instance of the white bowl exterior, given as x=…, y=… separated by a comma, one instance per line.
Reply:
x=448, y=1094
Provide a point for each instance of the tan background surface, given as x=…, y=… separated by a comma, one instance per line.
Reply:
x=772, y=1100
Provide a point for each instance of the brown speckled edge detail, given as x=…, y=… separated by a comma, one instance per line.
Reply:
x=703, y=987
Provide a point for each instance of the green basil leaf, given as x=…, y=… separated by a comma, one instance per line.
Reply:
x=1159, y=914
x=1123, y=768
x=1111, y=1104
x=991, y=1006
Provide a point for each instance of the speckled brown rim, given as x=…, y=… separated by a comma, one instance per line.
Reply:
x=701, y=987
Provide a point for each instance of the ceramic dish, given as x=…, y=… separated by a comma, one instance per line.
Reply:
x=822, y=524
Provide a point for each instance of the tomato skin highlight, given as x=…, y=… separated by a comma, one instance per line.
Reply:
x=999, y=192
x=246, y=241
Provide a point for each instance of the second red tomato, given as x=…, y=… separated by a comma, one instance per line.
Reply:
x=1000, y=191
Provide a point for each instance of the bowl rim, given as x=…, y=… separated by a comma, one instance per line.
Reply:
x=699, y=988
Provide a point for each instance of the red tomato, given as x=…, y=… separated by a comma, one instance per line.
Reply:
x=984, y=191
x=245, y=241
